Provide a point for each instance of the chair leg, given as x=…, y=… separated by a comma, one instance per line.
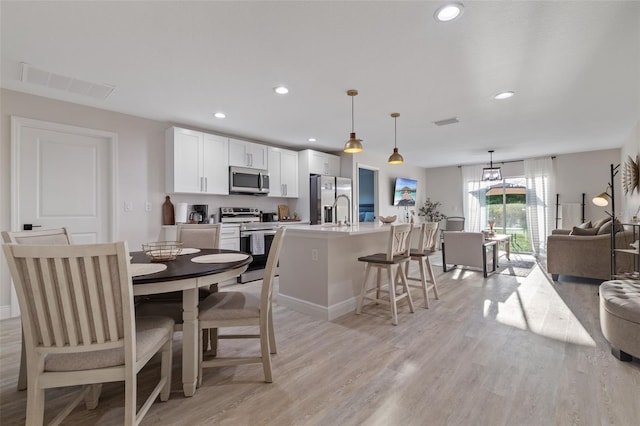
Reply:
x=392, y=298
x=35, y=405
x=92, y=397
x=22, y=374
x=423, y=281
x=433, y=278
x=403, y=279
x=378, y=283
x=363, y=290
x=166, y=367
x=272, y=334
x=200, y=355
x=130, y=389
x=264, y=349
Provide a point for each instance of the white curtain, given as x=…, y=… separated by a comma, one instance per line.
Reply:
x=539, y=175
x=473, y=198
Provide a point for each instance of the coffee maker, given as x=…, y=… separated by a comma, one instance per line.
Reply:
x=199, y=213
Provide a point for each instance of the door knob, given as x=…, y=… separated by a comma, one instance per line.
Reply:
x=29, y=226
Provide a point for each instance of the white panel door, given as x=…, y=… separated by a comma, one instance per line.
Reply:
x=187, y=161
x=215, y=164
x=289, y=174
x=65, y=179
x=275, y=171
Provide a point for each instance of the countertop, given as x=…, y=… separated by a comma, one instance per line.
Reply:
x=331, y=229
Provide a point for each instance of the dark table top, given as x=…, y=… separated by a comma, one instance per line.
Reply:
x=182, y=267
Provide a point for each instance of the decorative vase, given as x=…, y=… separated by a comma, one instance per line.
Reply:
x=168, y=214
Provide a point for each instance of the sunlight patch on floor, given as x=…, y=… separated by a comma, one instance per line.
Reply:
x=535, y=305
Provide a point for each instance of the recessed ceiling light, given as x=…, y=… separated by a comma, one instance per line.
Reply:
x=504, y=95
x=449, y=12
x=219, y=115
x=281, y=90
x=311, y=139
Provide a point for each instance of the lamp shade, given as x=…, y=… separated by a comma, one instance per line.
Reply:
x=601, y=200
x=353, y=145
x=491, y=174
x=395, y=158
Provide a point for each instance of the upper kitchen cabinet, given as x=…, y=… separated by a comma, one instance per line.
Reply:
x=247, y=154
x=283, y=173
x=196, y=162
x=321, y=163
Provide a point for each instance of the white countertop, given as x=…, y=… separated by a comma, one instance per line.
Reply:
x=343, y=230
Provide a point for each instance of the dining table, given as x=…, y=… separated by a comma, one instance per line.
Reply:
x=192, y=269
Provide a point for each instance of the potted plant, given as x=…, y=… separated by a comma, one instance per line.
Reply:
x=430, y=211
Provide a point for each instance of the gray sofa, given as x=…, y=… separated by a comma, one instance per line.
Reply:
x=586, y=256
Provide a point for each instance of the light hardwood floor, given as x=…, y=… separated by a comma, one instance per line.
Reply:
x=504, y=350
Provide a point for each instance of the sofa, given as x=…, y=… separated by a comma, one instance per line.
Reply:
x=586, y=251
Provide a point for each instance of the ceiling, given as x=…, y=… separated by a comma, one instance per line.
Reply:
x=574, y=66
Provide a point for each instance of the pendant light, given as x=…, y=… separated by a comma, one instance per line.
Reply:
x=353, y=145
x=395, y=158
x=491, y=173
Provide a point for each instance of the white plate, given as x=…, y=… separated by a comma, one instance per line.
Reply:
x=138, y=269
x=220, y=258
x=189, y=251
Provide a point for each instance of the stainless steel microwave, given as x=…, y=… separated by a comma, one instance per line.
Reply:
x=248, y=181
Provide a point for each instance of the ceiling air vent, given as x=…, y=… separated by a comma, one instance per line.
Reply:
x=446, y=121
x=51, y=80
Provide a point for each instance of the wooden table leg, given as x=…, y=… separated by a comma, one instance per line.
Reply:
x=189, y=341
x=507, y=247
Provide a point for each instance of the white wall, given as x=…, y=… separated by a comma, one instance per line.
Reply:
x=387, y=174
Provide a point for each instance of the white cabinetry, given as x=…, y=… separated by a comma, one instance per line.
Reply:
x=283, y=173
x=321, y=163
x=196, y=162
x=230, y=237
x=247, y=154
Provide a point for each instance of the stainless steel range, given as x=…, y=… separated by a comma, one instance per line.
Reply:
x=255, y=238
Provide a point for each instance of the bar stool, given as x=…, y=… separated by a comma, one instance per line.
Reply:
x=426, y=246
x=396, y=256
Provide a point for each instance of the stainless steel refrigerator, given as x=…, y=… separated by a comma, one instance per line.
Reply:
x=324, y=190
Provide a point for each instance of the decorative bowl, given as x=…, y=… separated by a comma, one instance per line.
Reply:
x=387, y=219
x=162, y=251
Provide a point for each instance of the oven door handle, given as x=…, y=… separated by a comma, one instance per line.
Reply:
x=248, y=233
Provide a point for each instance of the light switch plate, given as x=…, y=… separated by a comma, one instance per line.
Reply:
x=147, y=206
x=128, y=206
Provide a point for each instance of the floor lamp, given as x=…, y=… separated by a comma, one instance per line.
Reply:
x=602, y=200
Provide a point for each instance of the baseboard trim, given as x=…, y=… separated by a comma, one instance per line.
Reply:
x=5, y=312
x=317, y=311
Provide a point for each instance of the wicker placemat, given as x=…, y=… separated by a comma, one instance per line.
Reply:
x=189, y=251
x=220, y=258
x=138, y=269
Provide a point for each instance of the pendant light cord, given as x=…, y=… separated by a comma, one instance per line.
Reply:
x=352, y=126
x=395, y=132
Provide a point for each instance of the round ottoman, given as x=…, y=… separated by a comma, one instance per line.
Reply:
x=620, y=317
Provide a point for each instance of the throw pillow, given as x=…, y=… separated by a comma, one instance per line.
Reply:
x=580, y=231
x=585, y=225
x=606, y=227
x=600, y=222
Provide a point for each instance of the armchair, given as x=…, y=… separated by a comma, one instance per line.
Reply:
x=469, y=249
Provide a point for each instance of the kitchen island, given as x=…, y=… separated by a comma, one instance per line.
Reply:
x=319, y=270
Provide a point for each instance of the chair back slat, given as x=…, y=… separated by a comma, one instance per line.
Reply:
x=31, y=270
x=75, y=291
x=93, y=299
x=108, y=300
x=203, y=236
x=399, y=240
x=270, y=271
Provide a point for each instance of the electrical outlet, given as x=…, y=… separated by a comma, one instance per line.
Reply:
x=314, y=255
x=128, y=206
x=147, y=206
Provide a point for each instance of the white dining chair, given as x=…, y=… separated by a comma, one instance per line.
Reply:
x=202, y=236
x=392, y=261
x=44, y=236
x=77, y=311
x=238, y=309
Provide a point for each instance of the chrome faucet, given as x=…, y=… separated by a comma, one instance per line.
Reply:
x=348, y=208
